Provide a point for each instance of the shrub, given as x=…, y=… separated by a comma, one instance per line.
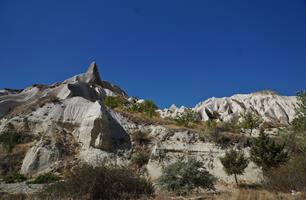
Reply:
x=147, y=106
x=140, y=158
x=104, y=182
x=230, y=126
x=221, y=139
x=250, y=122
x=234, y=163
x=295, y=141
x=14, y=178
x=10, y=139
x=182, y=177
x=211, y=124
x=288, y=177
x=266, y=153
x=225, y=139
x=141, y=138
x=45, y=178
x=113, y=101
x=188, y=118
x=299, y=123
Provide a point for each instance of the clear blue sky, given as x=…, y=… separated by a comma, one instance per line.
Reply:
x=170, y=51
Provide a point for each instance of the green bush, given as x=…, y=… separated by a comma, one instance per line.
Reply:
x=14, y=178
x=234, y=163
x=147, y=106
x=140, y=158
x=188, y=118
x=231, y=126
x=105, y=182
x=113, y=101
x=45, y=178
x=182, y=177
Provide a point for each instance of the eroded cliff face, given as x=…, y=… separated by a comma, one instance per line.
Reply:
x=71, y=111
x=268, y=105
x=68, y=124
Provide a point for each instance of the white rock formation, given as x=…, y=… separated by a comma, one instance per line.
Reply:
x=172, y=112
x=73, y=108
x=270, y=106
x=69, y=122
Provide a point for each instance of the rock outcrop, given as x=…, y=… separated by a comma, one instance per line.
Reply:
x=72, y=109
x=68, y=123
x=270, y=106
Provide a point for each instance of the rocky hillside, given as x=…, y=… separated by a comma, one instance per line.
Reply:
x=65, y=119
x=270, y=106
x=61, y=125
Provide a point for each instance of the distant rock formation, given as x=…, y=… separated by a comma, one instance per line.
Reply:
x=270, y=106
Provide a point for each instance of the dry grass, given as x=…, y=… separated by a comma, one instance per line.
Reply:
x=142, y=118
x=241, y=194
x=247, y=194
x=31, y=106
x=13, y=159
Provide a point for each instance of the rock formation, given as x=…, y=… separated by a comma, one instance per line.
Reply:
x=72, y=108
x=69, y=123
x=270, y=106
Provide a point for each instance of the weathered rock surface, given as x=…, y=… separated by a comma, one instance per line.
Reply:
x=270, y=106
x=70, y=123
x=72, y=110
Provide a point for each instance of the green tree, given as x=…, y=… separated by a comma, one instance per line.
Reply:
x=299, y=123
x=188, y=118
x=250, y=122
x=266, y=153
x=182, y=177
x=148, y=107
x=234, y=163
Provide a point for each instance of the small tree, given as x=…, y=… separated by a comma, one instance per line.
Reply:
x=182, y=177
x=187, y=118
x=266, y=153
x=299, y=123
x=148, y=107
x=234, y=163
x=250, y=122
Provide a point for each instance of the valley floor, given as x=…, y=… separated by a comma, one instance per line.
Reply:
x=23, y=191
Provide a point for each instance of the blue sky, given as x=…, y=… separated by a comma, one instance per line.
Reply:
x=170, y=51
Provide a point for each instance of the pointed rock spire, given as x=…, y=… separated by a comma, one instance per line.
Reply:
x=92, y=75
